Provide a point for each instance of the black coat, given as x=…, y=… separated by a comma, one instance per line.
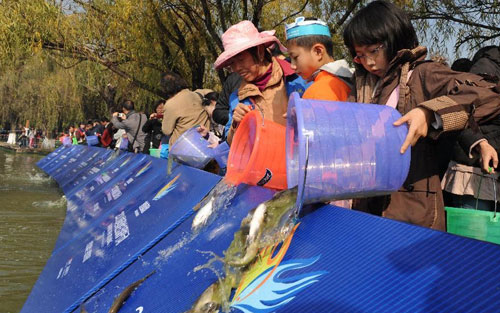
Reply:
x=221, y=112
x=152, y=128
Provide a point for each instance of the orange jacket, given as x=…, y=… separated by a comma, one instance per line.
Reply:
x=327, y=86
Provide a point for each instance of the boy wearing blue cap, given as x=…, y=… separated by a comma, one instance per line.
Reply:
x=310, y=48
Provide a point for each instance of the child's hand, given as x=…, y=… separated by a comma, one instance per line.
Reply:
x=418, y=121
x=202, y=130
x=240, y=111
x=488, y=154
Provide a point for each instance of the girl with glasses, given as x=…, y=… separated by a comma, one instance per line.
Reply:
x=391, y=69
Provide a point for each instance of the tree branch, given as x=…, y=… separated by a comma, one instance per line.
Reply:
x=292, y=15
x=346, y=15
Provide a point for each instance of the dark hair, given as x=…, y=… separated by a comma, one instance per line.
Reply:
x=158, y=103
x=254, y=52
x=311, y=40
x=104, y=119
x=209, y=97
x=172, y=83
x=275, y=50
x=381, y=22
x=481, y=53
x=461, y=65
x=128, y=105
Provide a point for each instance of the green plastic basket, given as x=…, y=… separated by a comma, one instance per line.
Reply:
x=154, y=152
x=477, y=224
x=481, y=225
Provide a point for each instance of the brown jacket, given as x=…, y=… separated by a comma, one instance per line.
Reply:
x=182, y=112
x=452, y=96
x=272, y=101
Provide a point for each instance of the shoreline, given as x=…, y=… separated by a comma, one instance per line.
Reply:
x=17, y=149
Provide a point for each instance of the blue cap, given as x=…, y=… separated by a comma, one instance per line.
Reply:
x=301, y=27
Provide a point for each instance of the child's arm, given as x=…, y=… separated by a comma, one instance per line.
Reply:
x=455, y=96
x=418, y=121
x=451, y=96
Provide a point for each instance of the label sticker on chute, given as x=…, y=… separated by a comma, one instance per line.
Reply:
x=109, y=237
x=121, y=228
x=105, y=177
x=144, y=207
x=63, y=271
x=267, y=177
x=88, y=251
x=116, y=192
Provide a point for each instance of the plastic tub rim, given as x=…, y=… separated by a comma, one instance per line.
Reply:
x=301, y=146
x=237, y=176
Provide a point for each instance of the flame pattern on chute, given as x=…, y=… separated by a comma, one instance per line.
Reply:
x=266, y=287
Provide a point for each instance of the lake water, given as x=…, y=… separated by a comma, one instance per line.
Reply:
x=32, y=210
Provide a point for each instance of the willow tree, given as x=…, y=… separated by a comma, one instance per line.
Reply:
x=112, y=49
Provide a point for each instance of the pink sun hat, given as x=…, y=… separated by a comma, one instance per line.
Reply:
x=241, y=37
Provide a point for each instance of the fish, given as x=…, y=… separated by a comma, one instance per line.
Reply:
x=208, y=301
x=256, y=222
x=267, y=219
x=118, y=302
x=265, y=225
x=203, y=214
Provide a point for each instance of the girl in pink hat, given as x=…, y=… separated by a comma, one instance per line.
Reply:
x=267, y=80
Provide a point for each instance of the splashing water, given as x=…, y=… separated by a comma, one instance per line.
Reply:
x=218, y=199
x=61, y=203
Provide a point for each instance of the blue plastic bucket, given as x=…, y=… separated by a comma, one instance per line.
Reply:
x=192, y=149
x=164, y=151
x=92, y=140
x=353, y=149
x=66, y=141
x=124, y=144
x=221, y=153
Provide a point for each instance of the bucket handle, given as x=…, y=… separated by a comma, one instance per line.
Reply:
x=254, y=105
x=494, y=218
x=303, y=187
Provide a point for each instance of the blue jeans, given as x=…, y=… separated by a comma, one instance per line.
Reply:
x=469, y=202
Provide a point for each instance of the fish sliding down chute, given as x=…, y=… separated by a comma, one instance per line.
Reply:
x=108, y=239
x=335, y=260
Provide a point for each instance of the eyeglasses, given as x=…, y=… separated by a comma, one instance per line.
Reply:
x=371, y=54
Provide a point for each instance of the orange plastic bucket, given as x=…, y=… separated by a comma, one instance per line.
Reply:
x=257, y=154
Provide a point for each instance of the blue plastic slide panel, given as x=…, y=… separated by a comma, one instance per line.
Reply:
x=71, y=162
x=64, y=157
x=175, y=285
x=128, y=185
x=68, y=157
x=344, y=261
x=91, y=172
x=49, y=157
x=94, y=188
x=84, y=163
x=59, y=156
x=336, y=260
x=118, y=240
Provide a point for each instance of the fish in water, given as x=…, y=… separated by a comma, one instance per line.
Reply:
x=208, y=301
x=117, y=304
x=256, y=222
x=263, y=221
x=264, y=225
x=203, y=214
